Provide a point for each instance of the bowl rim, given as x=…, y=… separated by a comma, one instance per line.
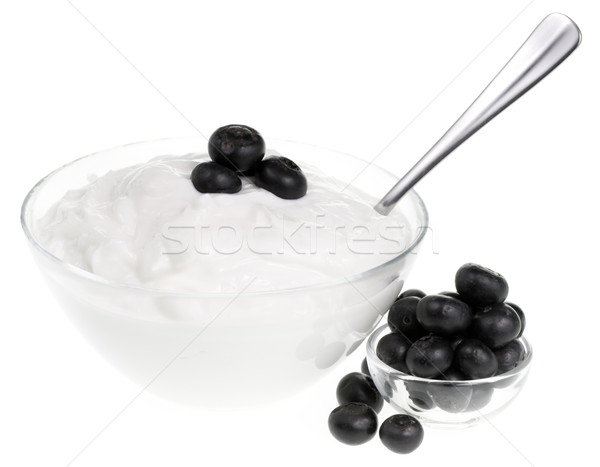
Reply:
x=392, y=372
x=417, y=201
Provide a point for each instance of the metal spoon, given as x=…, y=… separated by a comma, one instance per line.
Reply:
x=548, y=45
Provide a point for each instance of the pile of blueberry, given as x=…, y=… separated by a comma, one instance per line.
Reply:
x=455, y=336
x=469, y=334
x=239, y=149
x=355, y=420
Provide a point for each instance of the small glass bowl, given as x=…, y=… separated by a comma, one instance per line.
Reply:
x=446, y=403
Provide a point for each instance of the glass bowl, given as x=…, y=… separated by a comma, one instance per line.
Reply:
x=446, y=403
x=223, y=350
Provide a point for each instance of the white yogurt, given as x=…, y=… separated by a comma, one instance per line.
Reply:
x=147, y=225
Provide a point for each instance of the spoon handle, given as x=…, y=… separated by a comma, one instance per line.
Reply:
x=548, y=45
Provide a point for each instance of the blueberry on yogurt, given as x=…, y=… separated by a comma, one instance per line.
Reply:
x=237, y=147
x=281, y=176
x=210, y=177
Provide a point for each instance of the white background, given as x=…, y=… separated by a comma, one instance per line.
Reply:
x=384, y=79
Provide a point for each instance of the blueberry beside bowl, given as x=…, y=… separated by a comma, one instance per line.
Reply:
x=446, y=402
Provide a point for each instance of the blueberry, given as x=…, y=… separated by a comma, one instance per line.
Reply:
x=402, y=318
x=521, y=316
x=481, y=396
x=452, y=397
x=401, y=433
x=454, y=374
x=456, y=340
x=509, y=356
x=443, y=315
x=237, y=147
x=480, y=286
x=389, y=386
x=357, y=387
x=391, y=350
x=364, y=367
x=419, y=398
x=429, y=356
x=411, y=293
x=451, y=294
x=282, y=177
x=475, y=359
x=496, y=325
x=210, y=177
x=353, y=423
x=506, y=381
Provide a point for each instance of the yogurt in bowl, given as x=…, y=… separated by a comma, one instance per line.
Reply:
x=220, y=300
